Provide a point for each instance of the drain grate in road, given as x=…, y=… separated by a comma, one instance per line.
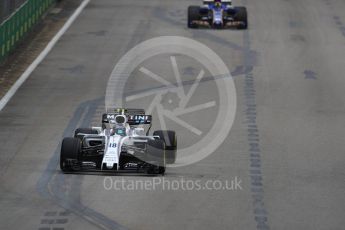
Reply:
x=54, y=220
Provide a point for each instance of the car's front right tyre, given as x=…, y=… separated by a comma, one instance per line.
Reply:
x=70, y=150
x=193, y=15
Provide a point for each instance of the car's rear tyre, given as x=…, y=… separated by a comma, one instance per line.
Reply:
x=241, y=16
x=156, y=156
x=170, y=139
x=84, y=131
x=70, y=150
x=193, y=15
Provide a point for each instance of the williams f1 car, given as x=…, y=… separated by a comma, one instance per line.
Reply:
x=219, y=14
x=122, y=144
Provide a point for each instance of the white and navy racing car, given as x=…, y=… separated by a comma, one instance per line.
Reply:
x=219, y=14
x=122, y=144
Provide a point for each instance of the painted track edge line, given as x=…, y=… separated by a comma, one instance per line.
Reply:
x=12, y=91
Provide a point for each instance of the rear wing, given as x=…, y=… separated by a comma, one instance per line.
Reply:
x=206, y=2
x=137, y=119
x=126, y=111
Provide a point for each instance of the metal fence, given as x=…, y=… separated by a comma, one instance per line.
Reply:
x=7, y=7
x=19, y=22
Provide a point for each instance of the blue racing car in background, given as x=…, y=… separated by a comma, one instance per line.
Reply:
x=217, y=14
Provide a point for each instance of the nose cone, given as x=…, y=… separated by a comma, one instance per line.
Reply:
x=217, y=18
x=218, y=25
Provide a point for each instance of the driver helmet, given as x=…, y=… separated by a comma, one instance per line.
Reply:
x=218, y=3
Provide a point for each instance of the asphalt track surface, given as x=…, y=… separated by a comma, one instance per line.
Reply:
x=286, y=145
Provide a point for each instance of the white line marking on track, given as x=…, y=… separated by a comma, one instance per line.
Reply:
x=43, y=54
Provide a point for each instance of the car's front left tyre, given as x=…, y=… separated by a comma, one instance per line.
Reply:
x=170, y=139
x=156, y=157
x=241, y=15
